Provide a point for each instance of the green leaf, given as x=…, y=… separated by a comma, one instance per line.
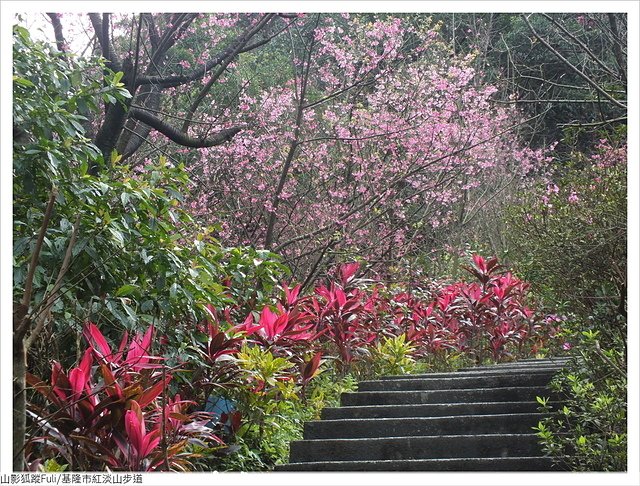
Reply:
x=23, y=82
x=117, y=235
x=126, y=289
x=107, y=98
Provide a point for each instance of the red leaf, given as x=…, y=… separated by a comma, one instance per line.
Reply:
x=95, y=339
x=236, y=420
x=267, y=321
x=135, y=427
x=347, y=271
x=87, y=361
x=78, y=379
x=150, y=395
x=291, y=295
x=123, y=344
x=247, y=326
x=480, y=263
x=311, y=367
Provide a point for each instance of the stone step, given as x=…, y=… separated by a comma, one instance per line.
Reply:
x=493, y=464
x=476, y=373
x=425, y=447
x=556, y=359
x=553, y=359
x=429, y=410
x=456, y=382
x=510, y=394
x=511, y=369
x=515, y=423
x=518, y=366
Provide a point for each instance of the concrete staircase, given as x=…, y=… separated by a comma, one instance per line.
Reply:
x=474, y=419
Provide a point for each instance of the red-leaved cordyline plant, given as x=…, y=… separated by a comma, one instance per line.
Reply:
x=287, y=331
x=216, y=368
x=344, y=316
x=291, y=296
x=417, y=320
x=139, y=443
x=217, y=353
x=137, y=357
x=490, y=317
x=310, y=370
x=110, y=415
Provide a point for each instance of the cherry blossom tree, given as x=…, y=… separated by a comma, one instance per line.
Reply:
x=367, y=149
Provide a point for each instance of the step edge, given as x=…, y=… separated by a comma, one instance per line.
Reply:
x=443, y=417
x=473, y=372
x=419, y=437
x=539, y=387
x=408, y=405
x=443, y=459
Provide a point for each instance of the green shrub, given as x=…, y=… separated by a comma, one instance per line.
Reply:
x=568, y=238
x=589, y=432
x=393, y=356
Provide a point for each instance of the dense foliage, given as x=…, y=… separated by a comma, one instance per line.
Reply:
x=569, y=234
x=589, y=432
x=115, y=247
x=570, y=239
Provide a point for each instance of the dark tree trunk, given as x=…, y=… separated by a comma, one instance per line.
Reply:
x=19, y=403
x=109, y=133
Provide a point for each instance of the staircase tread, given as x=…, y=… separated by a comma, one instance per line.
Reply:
x=452, y=377
x=442, y=417
x=452, y=404
x=445, y=459
x=473, y=373
x=448, y=389
x=400, y=465
x=420, y=437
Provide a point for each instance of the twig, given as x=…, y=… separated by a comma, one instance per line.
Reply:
x=21, y=319
x=45, y=312
x=594, y=124
x=590, y=81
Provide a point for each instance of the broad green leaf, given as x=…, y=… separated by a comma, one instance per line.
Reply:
x=126, y=290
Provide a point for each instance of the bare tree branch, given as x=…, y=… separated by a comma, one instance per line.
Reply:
x=21, y=319
x=594, y=124
x=178, y=80
x=44, y=313
x=180, y=137
x=293, y=147
x=590, y=81
x=240, y=43
x=586, y=49
x=617, y=49
x=101, y=28
x=177, y=27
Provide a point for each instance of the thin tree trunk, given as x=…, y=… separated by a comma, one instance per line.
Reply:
x=19, y=403
x=293, y=147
